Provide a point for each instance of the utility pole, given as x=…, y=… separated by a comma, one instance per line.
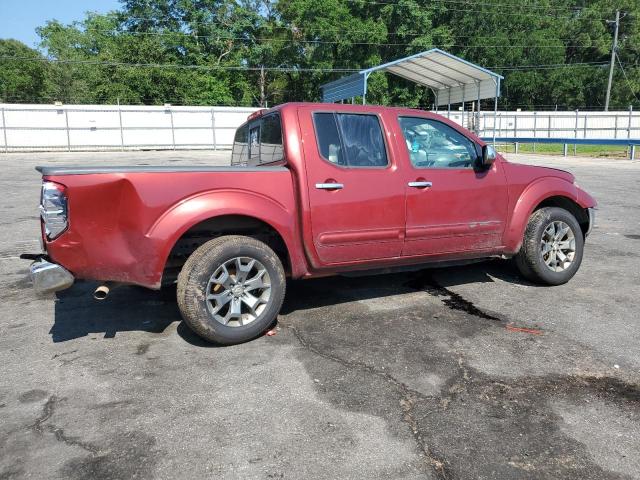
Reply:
x=613, y=59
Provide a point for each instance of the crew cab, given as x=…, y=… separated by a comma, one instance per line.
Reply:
x=313, y=189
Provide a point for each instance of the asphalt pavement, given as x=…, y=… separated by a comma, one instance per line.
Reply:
x=461, y=373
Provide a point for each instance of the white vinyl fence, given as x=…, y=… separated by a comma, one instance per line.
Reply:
x=544, y=125
x=105, y=127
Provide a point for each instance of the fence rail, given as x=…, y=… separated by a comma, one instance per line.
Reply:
x=576, y=124
x=97, y=127
x=104, y=127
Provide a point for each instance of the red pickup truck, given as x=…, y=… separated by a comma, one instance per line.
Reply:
x=312, y=190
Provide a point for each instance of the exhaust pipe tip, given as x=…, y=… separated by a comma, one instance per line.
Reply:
x=101, y=292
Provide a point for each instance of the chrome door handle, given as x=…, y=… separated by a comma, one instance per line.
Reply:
x=420, y=184
x=330, y=186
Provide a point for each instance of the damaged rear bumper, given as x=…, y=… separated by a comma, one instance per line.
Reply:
x=49, y=277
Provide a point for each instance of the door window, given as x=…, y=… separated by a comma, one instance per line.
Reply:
x=433, y=144
x=350, y=140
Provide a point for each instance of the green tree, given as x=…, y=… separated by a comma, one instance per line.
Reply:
x=262, y=52
x=20, y=80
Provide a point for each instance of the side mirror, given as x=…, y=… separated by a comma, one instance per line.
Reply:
x=488, y=156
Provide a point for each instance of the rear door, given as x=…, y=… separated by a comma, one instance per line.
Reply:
x=451, y=206
x=356, y=193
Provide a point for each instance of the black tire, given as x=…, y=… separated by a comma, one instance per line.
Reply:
x=529, y=259
x=194, y=279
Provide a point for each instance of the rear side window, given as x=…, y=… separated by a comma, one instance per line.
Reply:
x=258, y=142
x=271, y=140
x=240, y=152
x=350, y=140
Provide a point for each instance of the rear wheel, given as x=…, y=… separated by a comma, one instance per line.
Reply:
x=231, y=289
x=552, y=247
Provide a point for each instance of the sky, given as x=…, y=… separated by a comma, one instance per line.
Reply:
x=19, y=18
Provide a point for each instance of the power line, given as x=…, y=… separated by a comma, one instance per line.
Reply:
x=185, y=67
x=321, y=42
x=522, y=9
x=258, y=68
x=474, y=3
x=549, y=66
x=626, y=78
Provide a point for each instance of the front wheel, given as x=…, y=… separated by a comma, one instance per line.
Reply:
x=552, y=247
x=231, y=289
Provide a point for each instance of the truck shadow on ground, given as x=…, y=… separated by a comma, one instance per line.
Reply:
x=321, y=292
x=127, y=308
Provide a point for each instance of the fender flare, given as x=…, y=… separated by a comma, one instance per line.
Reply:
x=534, y=194
x=188, y=212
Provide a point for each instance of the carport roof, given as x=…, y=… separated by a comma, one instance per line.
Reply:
x=452, y=79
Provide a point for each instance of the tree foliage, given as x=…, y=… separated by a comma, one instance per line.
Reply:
x=263, y=52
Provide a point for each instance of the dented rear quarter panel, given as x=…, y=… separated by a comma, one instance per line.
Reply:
x=122, y=226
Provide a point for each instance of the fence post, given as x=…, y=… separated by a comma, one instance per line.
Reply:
x=615, y=126
x=4, y=131
x=575, y=133
x=549, y=128
x=632, y=148
x=173, y=132
x=535, y=134
x=66, y=119
x=213, y=129
x=121, y=130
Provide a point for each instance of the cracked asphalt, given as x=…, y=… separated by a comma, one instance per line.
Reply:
x=460, y=373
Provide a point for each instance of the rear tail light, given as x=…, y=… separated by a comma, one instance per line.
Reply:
x=54, y=209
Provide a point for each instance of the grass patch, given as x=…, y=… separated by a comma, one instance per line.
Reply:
x=557, y=149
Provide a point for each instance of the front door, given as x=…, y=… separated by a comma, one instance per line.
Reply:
x=356, y=194
x=451, y=206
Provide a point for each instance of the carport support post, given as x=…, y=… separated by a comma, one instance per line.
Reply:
x=449, y=104
x=463, y=95
x=495, y=110
x=478, y=113
x=364, y=91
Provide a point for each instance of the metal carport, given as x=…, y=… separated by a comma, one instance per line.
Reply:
x=451, y=79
